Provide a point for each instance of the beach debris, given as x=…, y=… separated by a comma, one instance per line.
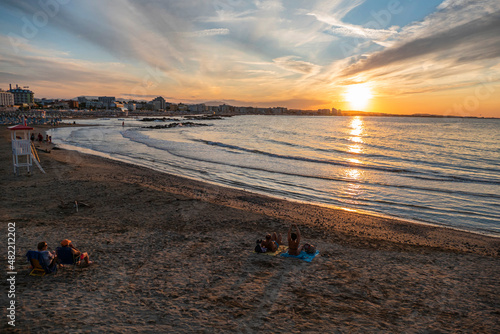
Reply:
x=72, y=206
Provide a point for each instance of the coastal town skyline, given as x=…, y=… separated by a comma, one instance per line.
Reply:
x=395, y=57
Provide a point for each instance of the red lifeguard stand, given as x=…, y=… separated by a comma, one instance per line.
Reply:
x=23, y=151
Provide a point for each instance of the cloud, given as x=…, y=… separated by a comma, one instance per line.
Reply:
x=152, y=96
x=269, y=5
x=298, y=66
x=293, y=103
x=351, y=30
x=475, y=40
x=210, y=32
x=247, y=50
x=71, y=71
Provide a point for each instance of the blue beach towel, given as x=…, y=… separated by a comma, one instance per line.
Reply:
x=303, y=256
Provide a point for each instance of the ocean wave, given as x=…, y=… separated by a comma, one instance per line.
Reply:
x=168, y=146
x=398, y=159
x=427, y=175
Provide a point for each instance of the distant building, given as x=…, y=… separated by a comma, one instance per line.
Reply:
x=82, y=99
x=244, y=110
x=45, y=102
x=131, y=106
x=197, y=108
x=6, y=99
x=73, y=104
x=106, y=101
x=278, y=110
x=94, y=104
x=159, y=103
x=182, y=107
x=61, y=104
x=22, y=96
x=224, y=108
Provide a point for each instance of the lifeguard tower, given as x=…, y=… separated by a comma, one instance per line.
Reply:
x=23, y=150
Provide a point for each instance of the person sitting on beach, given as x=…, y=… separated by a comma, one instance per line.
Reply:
x=50, y=258
x=272, y=242
x=294, y=241
x=259, y=248
x=76, y=253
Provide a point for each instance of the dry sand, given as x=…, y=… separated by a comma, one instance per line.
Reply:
x=175, y=256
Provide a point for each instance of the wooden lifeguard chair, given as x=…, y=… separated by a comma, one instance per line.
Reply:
x=23, y=150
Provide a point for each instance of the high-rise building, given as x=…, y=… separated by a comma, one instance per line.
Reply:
x=159, y=103
x=106, y=100
x=6, y=99
x=22, y=95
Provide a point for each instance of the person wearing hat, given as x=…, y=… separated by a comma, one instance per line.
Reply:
x=76, y=253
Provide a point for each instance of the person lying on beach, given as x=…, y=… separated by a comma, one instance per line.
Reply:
x=76, y=252
x=294, y=241
x=50, y=258
x=272, y=242
x=309, y=248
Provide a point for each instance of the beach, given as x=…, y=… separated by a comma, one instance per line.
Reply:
x=173, y=255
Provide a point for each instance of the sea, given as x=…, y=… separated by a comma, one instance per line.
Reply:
x=439, y=171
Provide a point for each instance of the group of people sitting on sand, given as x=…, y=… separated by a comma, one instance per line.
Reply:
x=53, y=258
x=272, y=242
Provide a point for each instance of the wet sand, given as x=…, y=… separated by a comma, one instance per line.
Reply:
x=174, y=255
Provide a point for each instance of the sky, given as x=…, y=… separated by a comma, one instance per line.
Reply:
x=400, y=57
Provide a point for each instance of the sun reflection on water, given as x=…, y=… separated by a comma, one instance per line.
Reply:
x=353, y=188
x=356, y=135
x=353, y=173
x=357, y=128
x=355, y=149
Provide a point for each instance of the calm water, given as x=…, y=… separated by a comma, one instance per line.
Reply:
x=444, y=171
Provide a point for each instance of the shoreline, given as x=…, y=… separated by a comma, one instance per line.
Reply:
x=176, y=255
x=86, y=151
x=458, y=239
x=376, y=215
x=91, y=152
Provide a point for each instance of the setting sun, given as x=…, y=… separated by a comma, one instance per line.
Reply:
x=358, y=96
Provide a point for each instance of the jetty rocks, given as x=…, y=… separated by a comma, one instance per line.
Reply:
x=175, y=125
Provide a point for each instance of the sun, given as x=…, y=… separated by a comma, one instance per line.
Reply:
x=358, y=96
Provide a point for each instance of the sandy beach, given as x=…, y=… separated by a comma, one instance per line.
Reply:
x=174, y=255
